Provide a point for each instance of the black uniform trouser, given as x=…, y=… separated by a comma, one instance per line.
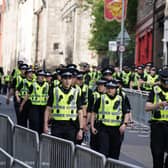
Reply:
x=36, y=118
x=18, y=113
x=22, y=116
x=25, y=113
x=109, y=141
x=159, y=144
x=93, y=141
x=64, y=129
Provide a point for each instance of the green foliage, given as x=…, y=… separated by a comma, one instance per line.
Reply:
x=103, y=31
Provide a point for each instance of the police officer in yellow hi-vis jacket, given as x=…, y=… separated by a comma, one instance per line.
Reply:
x=64, y=109
x=38, y=94
x=157, y=103
x=112, y=119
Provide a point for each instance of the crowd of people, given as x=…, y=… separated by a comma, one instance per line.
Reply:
x=74, y=99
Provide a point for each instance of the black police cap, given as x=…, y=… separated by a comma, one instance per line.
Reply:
x=164, y=75
x=71, y=66
x=41, y=73
x=140, y=67
x=48, y=74
x=66, y=73
x=80, y=75
x=29, y=70
x=106, y=71
x=111, y=84
x=23, y=67
x=101, y=82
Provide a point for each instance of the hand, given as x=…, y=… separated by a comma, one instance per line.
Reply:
x=79, y=135
x=122, y=128
x=162, y=104
x=94, y=131
x=46, y=130
x=21, y=108
x=18, y=100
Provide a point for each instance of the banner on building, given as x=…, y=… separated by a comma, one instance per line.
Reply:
x=113, y=10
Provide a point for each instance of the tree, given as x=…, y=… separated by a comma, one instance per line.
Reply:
x=103, y=31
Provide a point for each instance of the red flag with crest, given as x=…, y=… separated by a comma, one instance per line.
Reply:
x=113, y=10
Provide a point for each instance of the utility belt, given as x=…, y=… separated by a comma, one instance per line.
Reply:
x=156, y=122
x=64, y=122
x=98, y=124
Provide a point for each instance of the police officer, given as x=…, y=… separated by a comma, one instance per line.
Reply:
x=151, y=79
x=38, y=92
x=21, y=96
x=63, y=108
x=100, y=89
x=14, y=85
x=108, y=73
x=158, y=103
x=112, y=121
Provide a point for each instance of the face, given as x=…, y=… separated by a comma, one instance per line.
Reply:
x=74, y=80
x=101, y=88
x=48, y=79
x=147, y=68
x=30, y=75
x=152, y=72
x=111, y=91
x=41, y=78
x=67, y=82
x=79, y=81
x=108, y=76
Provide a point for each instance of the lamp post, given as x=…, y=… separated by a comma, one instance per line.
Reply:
x=122, y=33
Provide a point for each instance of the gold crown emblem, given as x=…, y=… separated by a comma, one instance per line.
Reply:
x=115, y=7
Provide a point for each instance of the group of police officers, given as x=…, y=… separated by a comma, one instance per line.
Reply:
x=70, y=101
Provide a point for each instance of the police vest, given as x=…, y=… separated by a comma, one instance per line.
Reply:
x=110, y=111
x=96, y=95
x=19, y=79
x=150, y=82
x=135, y=80
x=79, y=90
x=84, y=90
x=64, y=105
x=25, y=88
x=126, y=77
x=7, y=78
x=39, y=95
x=16, y=73
x=159, y=95
x=93, y=76
x=56, y=83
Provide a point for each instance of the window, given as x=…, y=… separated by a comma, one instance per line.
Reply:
x=55, y=46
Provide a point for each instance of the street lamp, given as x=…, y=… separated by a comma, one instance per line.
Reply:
x=122, y=33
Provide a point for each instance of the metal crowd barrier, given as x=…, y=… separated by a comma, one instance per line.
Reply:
x=55, y=152
x=137, y=100
x=111, y=163
x=5, y=159
x=26, y=145
x=18, y=164
x=6, y=137
x=85, y=157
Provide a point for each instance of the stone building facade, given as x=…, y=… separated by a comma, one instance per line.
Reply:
x=38, y=31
